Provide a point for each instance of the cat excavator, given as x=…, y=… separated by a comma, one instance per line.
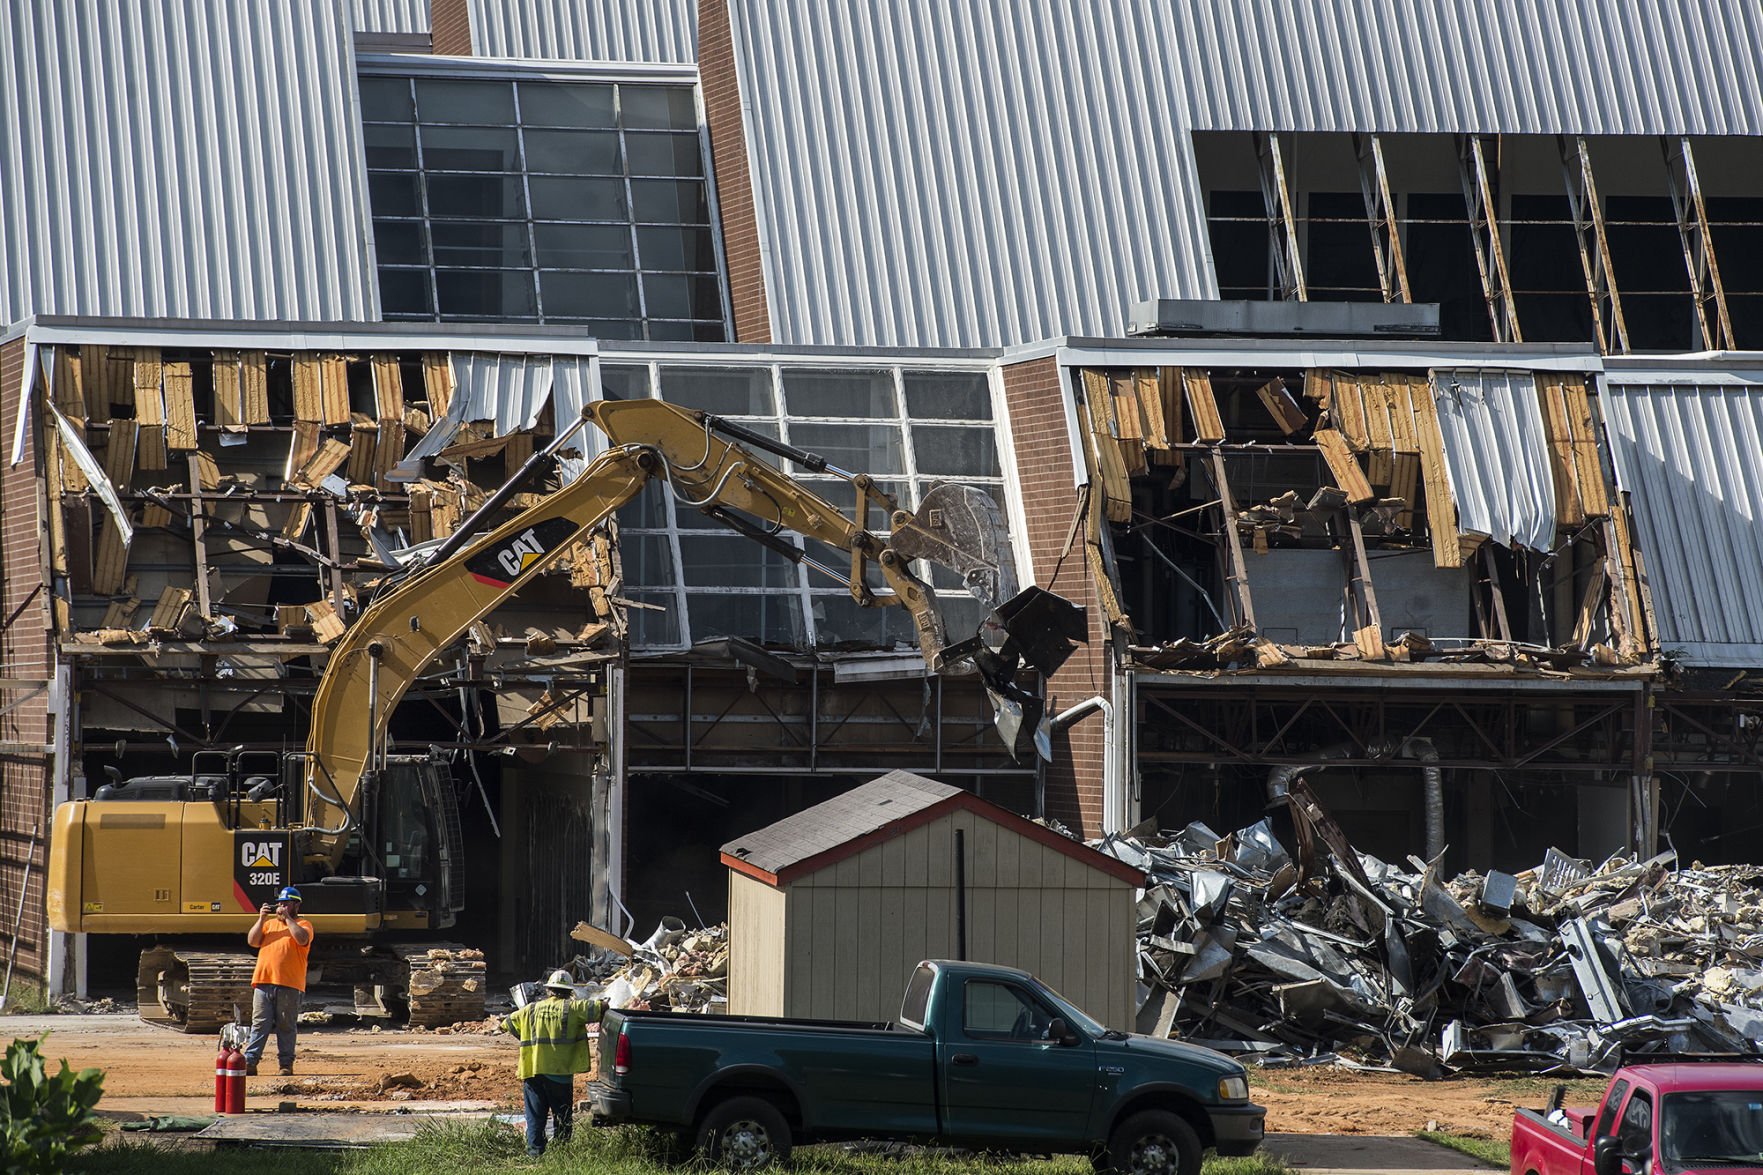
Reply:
x=372, y=838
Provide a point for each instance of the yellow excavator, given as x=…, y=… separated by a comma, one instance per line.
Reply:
x=373, y=839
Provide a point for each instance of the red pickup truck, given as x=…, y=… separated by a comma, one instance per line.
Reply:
x=1693, y=1118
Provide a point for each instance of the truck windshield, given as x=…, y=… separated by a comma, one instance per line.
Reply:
x=1712, y=1126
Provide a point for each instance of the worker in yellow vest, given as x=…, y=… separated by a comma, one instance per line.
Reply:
x=553, y=1035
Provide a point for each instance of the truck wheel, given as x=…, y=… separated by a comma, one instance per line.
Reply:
x=745, y=1134
x=1154, y=1142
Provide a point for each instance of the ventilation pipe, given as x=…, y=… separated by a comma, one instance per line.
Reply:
x=1422, y=749
x=1112, y=798
x=1279, y=779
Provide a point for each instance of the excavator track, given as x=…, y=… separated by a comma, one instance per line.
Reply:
x=446, y=984
x=194, y=991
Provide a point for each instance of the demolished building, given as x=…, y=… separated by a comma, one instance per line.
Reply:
x=1482, y=591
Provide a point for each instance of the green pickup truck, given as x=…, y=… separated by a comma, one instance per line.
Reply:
x=981, y=1056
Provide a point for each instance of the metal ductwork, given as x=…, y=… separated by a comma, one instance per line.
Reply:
x=1279, y=778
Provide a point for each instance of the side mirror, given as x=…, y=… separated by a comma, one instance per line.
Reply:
x=1607, y=1155
x=1060, y=1032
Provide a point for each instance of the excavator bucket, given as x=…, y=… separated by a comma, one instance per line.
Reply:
x=960, y=527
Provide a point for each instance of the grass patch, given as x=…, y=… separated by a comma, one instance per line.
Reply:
x=489, y=1147
x=1536, y=1090
x=28, y=999
x=1486, y=1150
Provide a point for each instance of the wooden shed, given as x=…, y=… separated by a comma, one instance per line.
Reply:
x=830, y=909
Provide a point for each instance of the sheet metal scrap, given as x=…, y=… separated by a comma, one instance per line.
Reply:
x=1302, y=950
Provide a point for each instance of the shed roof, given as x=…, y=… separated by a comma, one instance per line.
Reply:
x=879, y=810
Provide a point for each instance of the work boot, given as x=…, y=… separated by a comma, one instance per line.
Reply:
x=287, y=1070
x=251, y=1069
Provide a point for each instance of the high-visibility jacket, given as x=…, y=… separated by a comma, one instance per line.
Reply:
x=553, y=1035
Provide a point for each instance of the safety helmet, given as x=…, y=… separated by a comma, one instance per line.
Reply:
x=288, y=894
x=560, y=980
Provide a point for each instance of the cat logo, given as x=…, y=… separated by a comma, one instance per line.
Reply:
x=260, y=854
x=515, y=556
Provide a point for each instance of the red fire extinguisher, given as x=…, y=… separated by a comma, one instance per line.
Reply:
x=235, y=1081
x=220, y=1075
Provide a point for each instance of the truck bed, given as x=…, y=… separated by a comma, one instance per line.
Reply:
x=768, y=1023
x=1545, y=1147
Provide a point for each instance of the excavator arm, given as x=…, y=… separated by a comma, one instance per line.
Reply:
x=414, y=620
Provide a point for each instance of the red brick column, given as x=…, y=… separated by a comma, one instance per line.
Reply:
x=1035, y=398
x=450, y=27
x=734, y=183
x=25, y=655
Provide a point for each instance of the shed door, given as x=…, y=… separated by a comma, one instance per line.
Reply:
x=1004, y=1079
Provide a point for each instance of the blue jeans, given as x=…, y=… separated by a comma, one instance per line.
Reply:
x=552, y=1095
x=275, y=1009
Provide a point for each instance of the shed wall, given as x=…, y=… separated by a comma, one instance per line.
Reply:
x=758, y=948
x=858, y=927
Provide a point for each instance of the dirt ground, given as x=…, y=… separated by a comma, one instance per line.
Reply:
x=344, y=1065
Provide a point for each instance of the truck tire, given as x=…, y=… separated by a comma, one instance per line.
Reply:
x=1154, y=1142
x=745, y=1134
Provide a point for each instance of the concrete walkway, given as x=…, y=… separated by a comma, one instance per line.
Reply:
x=1370, y=1154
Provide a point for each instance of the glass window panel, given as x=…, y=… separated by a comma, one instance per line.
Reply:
x=499, y=244
x=947, y=449
x=678, y=248
x=648, y=560
x=860, y=448
x=839, y=564
x=648, y=510
x=389, y=146
x=559, y=198
x=771, y=619
x=839, y=393
x=588, y=295
x=584, y=246
x=669, y=202
x=664, y=154
x=400, y=242
x=949, y=395
x=654, y=626
x=574, y=152
x=450, y=100
x=962, y=616
x=405, y=292
x=470, y=148
x=484, y=197
x=624, y=383
x=566, y=104
x=659, y=107
x=393, y=193
x=386, y=99
x=725, y=391
x=682, y=295
x=732, y=560
x=486, y=293
x=611, y=328
x=699, y=332
x=841, y=622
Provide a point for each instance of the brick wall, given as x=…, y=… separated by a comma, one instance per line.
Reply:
x=24, y=656
x=450, y=27
x=734, y=185
x=1035, y=399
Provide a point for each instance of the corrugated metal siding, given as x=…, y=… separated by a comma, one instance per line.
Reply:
x=1690, y=457
x=858, y=927
x=391, y=16
x=178, y=158
x=990, y=172
x=1497, y=455
x=653, y=31
x=1544, y=66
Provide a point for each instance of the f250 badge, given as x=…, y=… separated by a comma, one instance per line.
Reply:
x=508, y=560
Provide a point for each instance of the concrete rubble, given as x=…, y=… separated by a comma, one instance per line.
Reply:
x=1282, y=942
x=685, y=970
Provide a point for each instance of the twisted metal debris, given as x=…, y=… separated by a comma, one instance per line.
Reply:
x=1317, y=952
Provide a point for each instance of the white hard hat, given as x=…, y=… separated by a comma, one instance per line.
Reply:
x=560, y=979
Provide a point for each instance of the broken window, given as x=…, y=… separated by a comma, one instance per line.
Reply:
x=542, y=201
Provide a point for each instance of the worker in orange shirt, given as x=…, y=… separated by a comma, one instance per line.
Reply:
x=283, y=940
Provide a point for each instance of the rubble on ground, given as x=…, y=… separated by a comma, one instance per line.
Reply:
x=685, y=970
x=1331, y=954
x=73, y=1005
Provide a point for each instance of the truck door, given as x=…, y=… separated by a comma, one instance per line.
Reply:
x=1607, y=1122
x=1004, y=1078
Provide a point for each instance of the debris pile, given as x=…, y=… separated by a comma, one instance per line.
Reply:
x=1327, y=953
x=685, y=970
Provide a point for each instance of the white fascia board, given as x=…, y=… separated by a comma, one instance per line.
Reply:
x=1263, y=353
x=342, y=338
x=412, y=65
